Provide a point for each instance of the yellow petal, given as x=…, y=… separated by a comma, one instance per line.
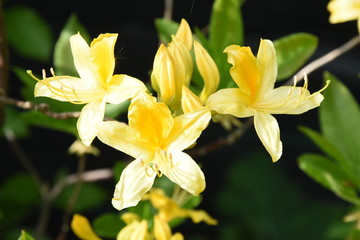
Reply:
x=183, y=170
x=230, y=101
x=134, y=231
x=163, y=75
x=189, y=101
x=102, y=56
x=267, y=65
x=289, y=100
x=177, y=236
x=91, y=115
x=208, y=71
x=245, y=70
x=121, y=137
x=82, y=60
x=343, y=10
x=184, y=34
x=162, y=230
x=68, y=89
x=200, y=215
x=183, y=68
x=123, y=87
x=82, y=228
x=187, y=128
x=135, y=181
x=268, y=131
x=152, y=121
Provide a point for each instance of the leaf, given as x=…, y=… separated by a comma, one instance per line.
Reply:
x=340, y=121
x=325, y=172
x=165, y=29
x=327, y=147
x=25, y=236
x=91, y=196
x=40, y=120
x=18, y=196
x=14, y=124
x=114, y=110
x=292, y=51
x=28, y=33
x=226, y=28
x=260, y=200
x=108, y=225
x=63, y=58
x=27, y=90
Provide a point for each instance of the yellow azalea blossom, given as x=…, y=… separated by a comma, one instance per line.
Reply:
x=82, y=228
x=134, y=230
x=171, y=70
x=344, y=10
x=170, y=209
x=156, y=140
x=162, y=230
x=96, y=86
x=184, y=34
x=256, y=95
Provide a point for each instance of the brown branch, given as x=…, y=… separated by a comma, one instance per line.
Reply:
x=330, y=56
x=42, y=107
x=168, y=9
x=231, y=138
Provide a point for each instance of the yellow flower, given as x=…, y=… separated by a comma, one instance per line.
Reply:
x=173, y=67
x=344, y=10
x=156, y=140
x=210, y=74
x=256, y=96
x=162, y=230
x=170, y=209
x=82, y=228
x=134, y=229
x=96, y=86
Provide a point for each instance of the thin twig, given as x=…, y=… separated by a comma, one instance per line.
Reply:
x=316, y=64
x=51, y=194
x=73, y=199
x=223, y=141
x=23, y=158
x=168, y=9
x=42, y=107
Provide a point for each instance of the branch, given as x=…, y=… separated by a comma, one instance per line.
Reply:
x=314, y=65
x=42, y=107
x=168, y=8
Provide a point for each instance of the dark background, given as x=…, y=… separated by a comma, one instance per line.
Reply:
x=135, y=50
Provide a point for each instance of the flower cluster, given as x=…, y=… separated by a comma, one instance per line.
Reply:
x=137, y=228
x=160, y=128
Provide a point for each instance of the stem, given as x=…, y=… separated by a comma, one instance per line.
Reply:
x=312, y=66
x=72, y=201
x=168, y=8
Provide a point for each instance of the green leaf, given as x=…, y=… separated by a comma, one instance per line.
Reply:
x=14, y=124
x=63, y=58
x=19, y=194
x=325, y=172
x=25, y=236
x=108, y=225
x=165, y=29
x=114, y=110
x=28, y=33
x=40, y=120
x=327, y=147
x=226, y=28
x=91, y=196
x=119, y=166
x=293, y=51
x=339, y=118
x=27, y=90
